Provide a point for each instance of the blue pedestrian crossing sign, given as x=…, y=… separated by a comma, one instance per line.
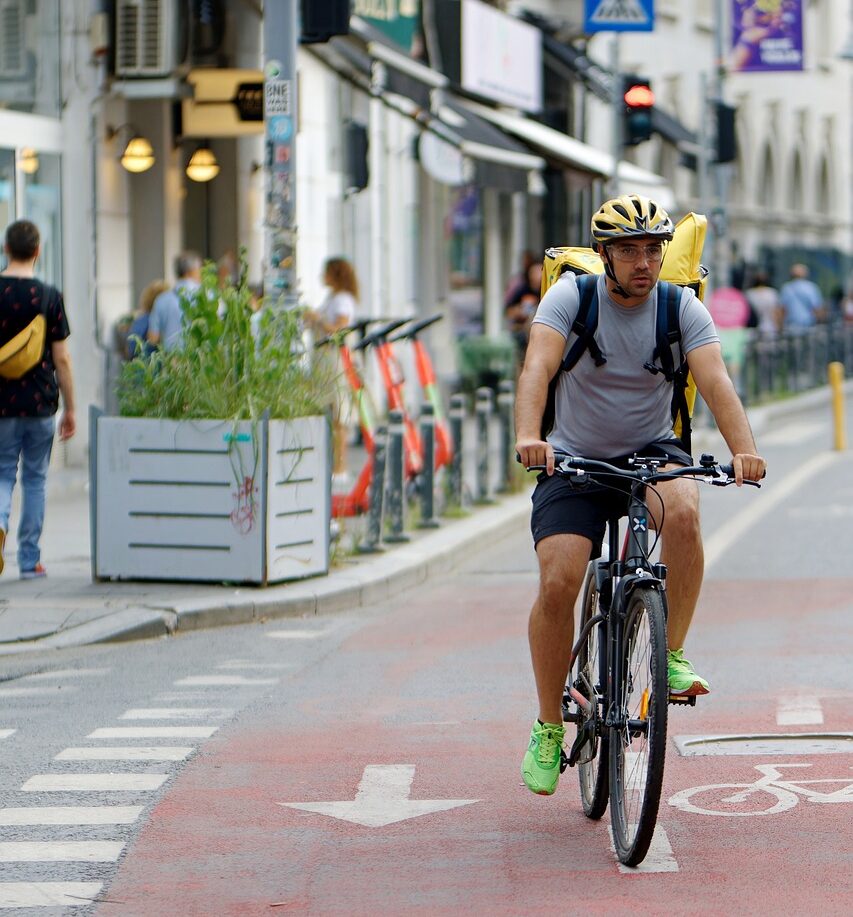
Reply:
x=619, y=16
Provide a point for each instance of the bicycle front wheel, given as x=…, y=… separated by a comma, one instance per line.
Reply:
x=590, y=681
x=638, y=747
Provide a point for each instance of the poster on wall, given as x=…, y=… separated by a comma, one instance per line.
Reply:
x=767, y=35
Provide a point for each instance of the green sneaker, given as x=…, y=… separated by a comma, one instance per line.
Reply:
x=541, y=765
x=681, y=677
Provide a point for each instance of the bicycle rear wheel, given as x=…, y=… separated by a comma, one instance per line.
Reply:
x=590, y=681
x=637, y=750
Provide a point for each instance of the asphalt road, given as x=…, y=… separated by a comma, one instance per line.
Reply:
x=368, y=762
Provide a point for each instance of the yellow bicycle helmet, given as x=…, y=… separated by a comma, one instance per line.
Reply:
x=631, y=216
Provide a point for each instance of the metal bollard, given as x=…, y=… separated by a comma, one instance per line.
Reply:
x=456, y=416
x=396, y=496
x=506, y=409
x=483, y=411
x=428, y=520
x=377, y=494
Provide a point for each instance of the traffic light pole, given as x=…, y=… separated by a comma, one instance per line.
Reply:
x=617, y=104
x=281, y=36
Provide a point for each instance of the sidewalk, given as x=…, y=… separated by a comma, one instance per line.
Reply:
x=68, y=609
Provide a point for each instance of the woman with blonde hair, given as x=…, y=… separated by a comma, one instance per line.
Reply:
x=336, y=312
x=139, y=326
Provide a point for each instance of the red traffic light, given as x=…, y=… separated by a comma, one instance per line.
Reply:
x=639, y=96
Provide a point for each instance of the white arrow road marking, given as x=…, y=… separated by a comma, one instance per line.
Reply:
x=382, y=799
x=799, y=710
x=658, y=859
x=48, y=894
x=5, y=733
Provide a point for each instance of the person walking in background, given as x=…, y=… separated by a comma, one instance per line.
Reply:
x=28, y=403
x=802, y=300
x=138, y=330
x=519, y=281
x=521, y=308
x=166, y=324
x=336, y=312
x=765, y=303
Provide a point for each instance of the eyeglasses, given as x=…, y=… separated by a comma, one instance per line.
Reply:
x=633, y=252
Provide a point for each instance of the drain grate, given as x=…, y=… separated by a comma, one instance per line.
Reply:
x=792, y=743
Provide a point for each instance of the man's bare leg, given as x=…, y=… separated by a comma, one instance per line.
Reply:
x=562, y=564
x=683, y=554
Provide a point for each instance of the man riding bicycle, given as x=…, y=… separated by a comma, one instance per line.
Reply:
x=612, y=408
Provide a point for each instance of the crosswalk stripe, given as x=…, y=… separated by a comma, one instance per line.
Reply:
x=70, y=815
x=48, y=894
x=127, y=753
x=248, y=665
x=175, y=713
x=296, y=634
x=60, y=851
x=153, y=732
x=65, y=673
x=94, y=783
x=5, y=733
x=222, y=680
x=799, y=710
x=36, y=691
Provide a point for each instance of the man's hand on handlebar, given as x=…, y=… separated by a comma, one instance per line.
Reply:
x=535, y=452
x=748, y=467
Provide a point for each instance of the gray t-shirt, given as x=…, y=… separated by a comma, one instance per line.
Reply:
x=612, y=410
x=167, y=316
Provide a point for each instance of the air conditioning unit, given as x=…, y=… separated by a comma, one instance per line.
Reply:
x=146, y=38
x=13, y=45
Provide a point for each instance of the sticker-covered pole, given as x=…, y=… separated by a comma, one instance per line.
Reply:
x=281, y=36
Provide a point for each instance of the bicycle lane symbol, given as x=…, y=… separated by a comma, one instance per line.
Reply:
x=771, y=793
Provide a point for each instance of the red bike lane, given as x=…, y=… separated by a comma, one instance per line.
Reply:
x=432, y=701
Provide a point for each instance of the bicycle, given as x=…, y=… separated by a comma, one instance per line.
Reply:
x=618, y=697
x=784, y=794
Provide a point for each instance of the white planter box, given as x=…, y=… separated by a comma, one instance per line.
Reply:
x=209, y=500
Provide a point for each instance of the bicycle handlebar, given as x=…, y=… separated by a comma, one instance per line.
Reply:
x=416, y=327
x=708, y=467
x=380, y=333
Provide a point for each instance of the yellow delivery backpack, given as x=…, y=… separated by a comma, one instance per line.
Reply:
x=681, y=267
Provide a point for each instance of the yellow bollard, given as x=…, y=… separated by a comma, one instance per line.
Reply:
x=836, y=380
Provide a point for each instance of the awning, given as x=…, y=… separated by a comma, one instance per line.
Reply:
x=419, y=92
x=599, y=81
x=577, y=155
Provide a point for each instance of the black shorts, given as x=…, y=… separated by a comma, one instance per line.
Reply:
x=563, y=505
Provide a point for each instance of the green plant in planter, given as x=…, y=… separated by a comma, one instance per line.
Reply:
x=234, y=364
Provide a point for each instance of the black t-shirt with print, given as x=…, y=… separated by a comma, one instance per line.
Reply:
x=36, y=393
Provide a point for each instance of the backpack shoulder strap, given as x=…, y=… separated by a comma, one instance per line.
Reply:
x=585, y=324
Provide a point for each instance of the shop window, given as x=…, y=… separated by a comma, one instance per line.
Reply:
x=7, y=189
x=464, y=233
x=42, y=204
x=29, y=56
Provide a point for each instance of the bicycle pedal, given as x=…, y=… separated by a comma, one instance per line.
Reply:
x=564, y=760
x=684, y=700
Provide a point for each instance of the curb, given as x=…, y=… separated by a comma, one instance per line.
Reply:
x=370, y=580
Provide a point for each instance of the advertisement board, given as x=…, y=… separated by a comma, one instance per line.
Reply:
x=767, y=35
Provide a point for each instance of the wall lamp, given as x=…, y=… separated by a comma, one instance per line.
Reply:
x=138, y=155
x=202, y=165
x=28, y=160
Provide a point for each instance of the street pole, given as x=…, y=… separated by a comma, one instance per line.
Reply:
x=720, y=276
x=617, y=103
x=281, y=36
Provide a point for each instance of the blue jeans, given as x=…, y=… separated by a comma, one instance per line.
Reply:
x=31, y=440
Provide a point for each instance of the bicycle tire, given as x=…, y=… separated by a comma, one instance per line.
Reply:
x=592, y=773
x=637, y=761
